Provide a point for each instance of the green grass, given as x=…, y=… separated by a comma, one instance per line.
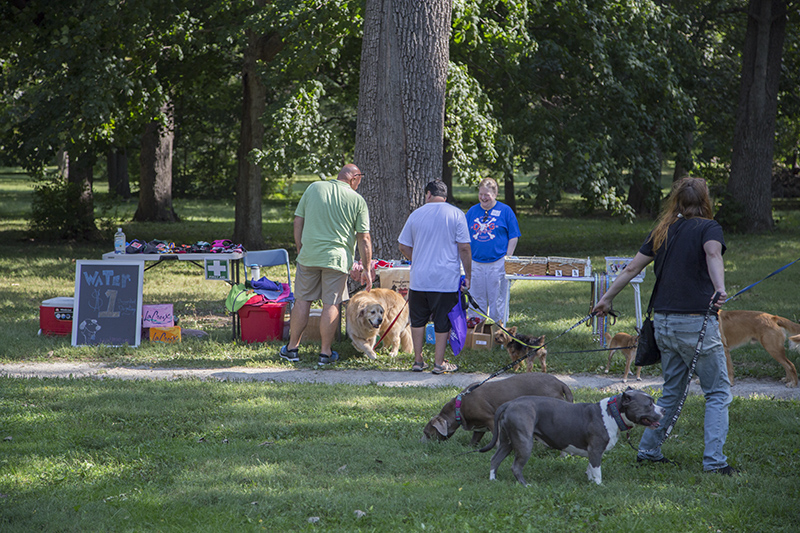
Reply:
x=193, y=456
x=87, y=455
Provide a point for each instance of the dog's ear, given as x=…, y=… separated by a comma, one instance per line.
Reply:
x=513, y=330
x=361, y=312
x=440, y=424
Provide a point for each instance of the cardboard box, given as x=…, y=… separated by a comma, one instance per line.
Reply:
x=396, y=278
x=311, y=332
x=158, y=316
x=480, y=338
x=169, y=335
x=55, y=316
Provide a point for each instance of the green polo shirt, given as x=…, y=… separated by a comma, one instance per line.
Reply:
x=333, y=213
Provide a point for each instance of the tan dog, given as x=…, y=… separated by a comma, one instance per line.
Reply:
x=369, y=315
x=477, y=408
x=517, y=350
x=626, y=344
x=738, y=328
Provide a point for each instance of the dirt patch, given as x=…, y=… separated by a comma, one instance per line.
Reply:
x=747, y=387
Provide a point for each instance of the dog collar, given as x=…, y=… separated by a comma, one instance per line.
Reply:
x=458, y=410
x=613, y=410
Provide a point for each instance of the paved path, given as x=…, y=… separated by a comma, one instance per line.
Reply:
x=744, y=387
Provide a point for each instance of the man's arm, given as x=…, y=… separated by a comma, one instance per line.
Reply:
x=407, y=251
x=465, y=252
x=365, y=253
x=298, y=232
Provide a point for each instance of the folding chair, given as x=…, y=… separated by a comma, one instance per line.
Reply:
x=267, y=258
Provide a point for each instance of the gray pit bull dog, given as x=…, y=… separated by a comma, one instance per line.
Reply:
x=474, y=411
x=585, y=429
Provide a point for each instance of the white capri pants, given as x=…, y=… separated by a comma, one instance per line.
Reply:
x=489, y=286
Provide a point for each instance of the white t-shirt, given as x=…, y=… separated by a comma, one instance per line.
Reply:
x=433, y=231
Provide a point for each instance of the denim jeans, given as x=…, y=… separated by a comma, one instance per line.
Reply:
x=676, y=336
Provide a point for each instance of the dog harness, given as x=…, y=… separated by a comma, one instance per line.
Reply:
x=613, y=410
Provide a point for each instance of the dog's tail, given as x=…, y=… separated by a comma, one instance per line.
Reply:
x=566, y=392
x=789, y=328
x=497, y=416
x=794, y=342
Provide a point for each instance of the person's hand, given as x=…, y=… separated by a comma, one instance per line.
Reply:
x=465, y=283
x=723, y=296
x=367, y=278
x=602, y=308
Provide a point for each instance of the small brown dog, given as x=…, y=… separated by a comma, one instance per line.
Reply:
x=626, y=344
x=738, y=328
x=517, y=350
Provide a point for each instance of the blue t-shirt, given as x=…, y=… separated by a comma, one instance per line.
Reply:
x=490, y=230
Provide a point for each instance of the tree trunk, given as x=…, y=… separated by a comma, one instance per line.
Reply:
x=509, y=196
x=399, y=133
x=80, y=177
x=248, y=225
x=118, y=179
x=753, y=140
x=447, y=173
x=155, y=174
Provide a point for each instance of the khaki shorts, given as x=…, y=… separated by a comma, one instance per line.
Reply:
x=317, y=283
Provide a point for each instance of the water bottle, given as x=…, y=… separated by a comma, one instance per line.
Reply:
x=255, y=272
x=119, y=242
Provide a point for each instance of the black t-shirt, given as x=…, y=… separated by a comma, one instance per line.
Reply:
x=684, y=285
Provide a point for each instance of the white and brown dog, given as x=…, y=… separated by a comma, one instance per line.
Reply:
x=738, y=328
x=626, y=344
x=585, y=429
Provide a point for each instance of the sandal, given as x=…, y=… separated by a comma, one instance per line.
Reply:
x=444, y=368
x=419, y=366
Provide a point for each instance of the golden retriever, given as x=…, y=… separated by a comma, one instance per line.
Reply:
x=369, y=315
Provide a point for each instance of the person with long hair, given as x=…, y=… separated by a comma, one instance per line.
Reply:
x=690, y=274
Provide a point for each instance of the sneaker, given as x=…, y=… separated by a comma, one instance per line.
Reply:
x=444, y=368
x=726, y=470
x=328, y=359
x=289, y=355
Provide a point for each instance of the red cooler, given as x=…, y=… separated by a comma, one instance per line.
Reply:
x=262, y=323
x=55, y=316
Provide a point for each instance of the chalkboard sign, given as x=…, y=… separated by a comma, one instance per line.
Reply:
x=108, y=303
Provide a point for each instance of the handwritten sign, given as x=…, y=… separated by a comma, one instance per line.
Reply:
x=108, y=303
x=158, y=316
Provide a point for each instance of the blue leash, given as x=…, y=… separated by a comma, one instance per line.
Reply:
x=784, y=267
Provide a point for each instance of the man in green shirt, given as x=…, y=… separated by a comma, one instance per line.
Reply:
x=330, y=220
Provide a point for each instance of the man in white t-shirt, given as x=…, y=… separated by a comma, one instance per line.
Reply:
x=436, y=240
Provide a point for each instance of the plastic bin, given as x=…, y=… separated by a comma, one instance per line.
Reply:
x=262, y=323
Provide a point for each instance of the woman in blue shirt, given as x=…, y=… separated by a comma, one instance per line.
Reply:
x=494, y=233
